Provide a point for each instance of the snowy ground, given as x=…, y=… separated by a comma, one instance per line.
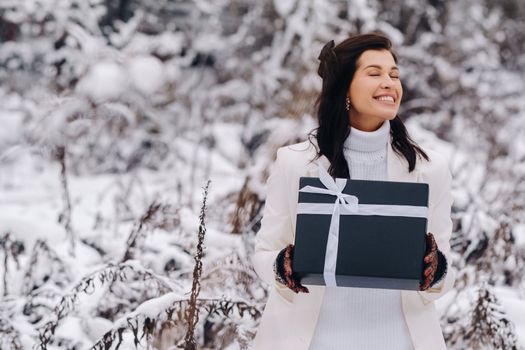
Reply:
x=31, y=200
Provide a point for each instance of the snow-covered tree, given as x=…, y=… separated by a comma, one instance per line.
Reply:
x=485, y=326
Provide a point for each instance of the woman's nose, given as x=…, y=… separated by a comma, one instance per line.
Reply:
x=387, y=82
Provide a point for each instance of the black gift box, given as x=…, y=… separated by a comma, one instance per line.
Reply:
x=374, y=251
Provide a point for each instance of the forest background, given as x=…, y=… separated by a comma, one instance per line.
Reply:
x=116, y=113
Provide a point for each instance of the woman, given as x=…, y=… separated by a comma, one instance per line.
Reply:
x=359, y=136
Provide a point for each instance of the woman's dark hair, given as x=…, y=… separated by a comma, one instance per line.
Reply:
x=337, y=68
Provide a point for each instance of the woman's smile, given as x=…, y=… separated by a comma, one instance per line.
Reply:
x=386, y=99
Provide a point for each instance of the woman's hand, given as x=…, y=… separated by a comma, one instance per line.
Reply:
x=284, y=273
x=431, y=262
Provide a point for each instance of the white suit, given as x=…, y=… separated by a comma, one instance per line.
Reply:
x=289, y=319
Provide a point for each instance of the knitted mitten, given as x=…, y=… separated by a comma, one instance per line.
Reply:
x=435, y=264
x=282, y=268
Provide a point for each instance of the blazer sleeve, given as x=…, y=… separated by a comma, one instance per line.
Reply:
x=276, y=224
x=440, y=224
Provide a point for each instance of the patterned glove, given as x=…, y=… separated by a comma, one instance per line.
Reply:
x=435, y=264
x=282, y=268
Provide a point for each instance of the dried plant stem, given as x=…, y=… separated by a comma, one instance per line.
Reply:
x=65, y=216
x=246, y=208
x=40, y=250
x=137, y=231
x=10, y=248
x=192, y=313
x=5, y=272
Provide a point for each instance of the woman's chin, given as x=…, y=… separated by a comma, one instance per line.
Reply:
x=387, y=115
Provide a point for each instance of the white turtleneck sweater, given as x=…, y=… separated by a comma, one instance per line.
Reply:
x=363, y=318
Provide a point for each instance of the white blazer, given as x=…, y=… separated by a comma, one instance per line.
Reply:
x=289, y=319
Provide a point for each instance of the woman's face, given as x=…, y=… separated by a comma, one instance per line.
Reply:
x=375, y=91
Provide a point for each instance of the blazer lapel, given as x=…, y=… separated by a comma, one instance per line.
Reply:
x=397, y=167
x=307, y=306
x=313, y=170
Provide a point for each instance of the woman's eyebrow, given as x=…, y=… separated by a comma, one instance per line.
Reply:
x=379, y=67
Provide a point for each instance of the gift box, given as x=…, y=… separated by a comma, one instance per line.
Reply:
x=357, y=233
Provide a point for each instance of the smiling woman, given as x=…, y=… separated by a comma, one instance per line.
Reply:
x=360, y=136
x=375, y=92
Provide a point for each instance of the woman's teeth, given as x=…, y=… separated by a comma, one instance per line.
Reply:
x=385, y=98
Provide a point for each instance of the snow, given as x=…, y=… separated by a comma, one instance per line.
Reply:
x=96, y=327
x=153, y=307
x=146, y=74
x=12, y=123
x=284, y=7
x=104, y=81
x=519, y=234
x=69, y=326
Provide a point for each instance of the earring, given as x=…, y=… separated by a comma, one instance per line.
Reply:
x=347, y=103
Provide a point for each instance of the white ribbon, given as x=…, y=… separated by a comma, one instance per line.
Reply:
x=346, y=204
